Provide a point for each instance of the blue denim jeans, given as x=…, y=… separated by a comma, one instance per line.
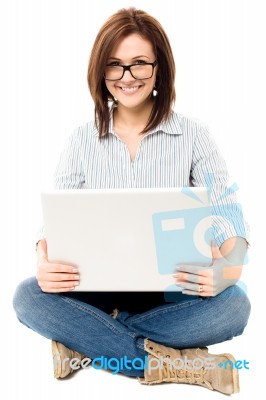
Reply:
x=75, y=320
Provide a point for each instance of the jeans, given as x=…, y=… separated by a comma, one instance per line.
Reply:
x=82, y=321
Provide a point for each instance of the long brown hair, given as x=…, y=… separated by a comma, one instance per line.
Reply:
x=121, y=24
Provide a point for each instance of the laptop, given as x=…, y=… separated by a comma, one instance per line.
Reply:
x=128, y=239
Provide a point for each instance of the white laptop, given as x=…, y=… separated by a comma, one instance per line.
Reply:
x=128, y=239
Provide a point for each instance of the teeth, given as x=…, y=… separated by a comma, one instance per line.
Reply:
x=129, y=89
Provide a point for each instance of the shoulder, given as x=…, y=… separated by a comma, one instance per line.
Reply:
x=83, y=134
x=187, y=124
x=192, y=130
x=88, y=129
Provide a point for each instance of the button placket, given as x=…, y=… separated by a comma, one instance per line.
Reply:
x=127, y=166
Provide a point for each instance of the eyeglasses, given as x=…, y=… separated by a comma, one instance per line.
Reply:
x=138, y=71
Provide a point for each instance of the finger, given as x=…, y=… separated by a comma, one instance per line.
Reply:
x=194, y=293
x=188, y=268
x=186, y=277
x=61, y=277
x=194, y=270
x=193, y=287
x=58, y=290
x=62, y=285
x=55, y=267
x=58, y=285
x=196, y=288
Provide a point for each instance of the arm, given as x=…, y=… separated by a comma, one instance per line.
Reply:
x=56, y=277
x=208, y=168
x=69, y=172
x=230, y=245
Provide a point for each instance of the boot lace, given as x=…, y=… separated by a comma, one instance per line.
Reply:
x=168, y=373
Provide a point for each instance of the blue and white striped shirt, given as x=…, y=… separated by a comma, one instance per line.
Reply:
x=179, y=152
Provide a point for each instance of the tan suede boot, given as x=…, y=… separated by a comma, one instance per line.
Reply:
x=65, y=360
x=194, y=366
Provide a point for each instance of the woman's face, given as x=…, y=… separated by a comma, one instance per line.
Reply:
x=130, y=92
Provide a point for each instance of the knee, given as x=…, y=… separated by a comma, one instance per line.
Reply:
x=24, y=299
x=238, y=306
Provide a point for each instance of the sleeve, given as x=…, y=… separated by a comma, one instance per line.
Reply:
x=209, y=169
x=69, y=173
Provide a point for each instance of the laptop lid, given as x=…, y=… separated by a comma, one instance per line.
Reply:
x=128, y=239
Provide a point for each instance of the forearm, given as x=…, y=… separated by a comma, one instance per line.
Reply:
x=234, y=251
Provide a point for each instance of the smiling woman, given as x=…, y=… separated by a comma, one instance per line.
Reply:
x=136, y=41
x=137, y=141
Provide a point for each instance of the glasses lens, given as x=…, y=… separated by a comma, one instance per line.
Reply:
x=141, y=71
x=113, y=72
x=137, y=71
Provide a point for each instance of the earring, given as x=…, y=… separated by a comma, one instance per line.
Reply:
x=154, y=92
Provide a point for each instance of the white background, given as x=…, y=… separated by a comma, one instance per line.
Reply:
x=45, y=45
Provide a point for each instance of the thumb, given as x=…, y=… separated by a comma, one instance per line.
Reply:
x=42, y=249
x=216, y=254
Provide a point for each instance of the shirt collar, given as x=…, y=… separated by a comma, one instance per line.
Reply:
x=171, y=126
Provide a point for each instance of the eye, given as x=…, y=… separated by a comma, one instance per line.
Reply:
x=141, y=62
x=113, y=64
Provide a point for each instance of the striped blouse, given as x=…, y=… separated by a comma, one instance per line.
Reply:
x=178, y=153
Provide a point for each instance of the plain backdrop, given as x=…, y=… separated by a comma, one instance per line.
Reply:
x=45, y=45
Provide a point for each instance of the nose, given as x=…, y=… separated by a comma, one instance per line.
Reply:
x=127, y=77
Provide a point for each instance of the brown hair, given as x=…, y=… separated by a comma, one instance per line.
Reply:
x=123, y=23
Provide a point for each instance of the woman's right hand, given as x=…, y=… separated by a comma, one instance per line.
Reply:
x=54, y=277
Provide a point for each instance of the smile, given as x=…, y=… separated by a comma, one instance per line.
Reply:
x=131, y=89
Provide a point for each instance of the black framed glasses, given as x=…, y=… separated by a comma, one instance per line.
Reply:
x=138, y=71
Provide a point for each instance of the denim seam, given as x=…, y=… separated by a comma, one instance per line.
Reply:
x=89, y=311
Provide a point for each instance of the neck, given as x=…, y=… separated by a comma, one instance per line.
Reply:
x=131, y=120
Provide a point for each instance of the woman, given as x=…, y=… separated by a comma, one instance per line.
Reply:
x=137, y=140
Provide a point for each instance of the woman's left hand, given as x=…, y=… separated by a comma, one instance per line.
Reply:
x=208, y=281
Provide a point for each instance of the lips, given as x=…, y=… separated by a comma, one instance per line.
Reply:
x=129, y=89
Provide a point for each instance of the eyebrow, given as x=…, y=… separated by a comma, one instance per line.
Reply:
x=134, y=58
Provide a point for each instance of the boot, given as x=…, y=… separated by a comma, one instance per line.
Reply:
x=65, y=360
x=194, y=366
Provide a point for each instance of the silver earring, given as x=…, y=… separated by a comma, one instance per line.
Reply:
x=154, y=92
